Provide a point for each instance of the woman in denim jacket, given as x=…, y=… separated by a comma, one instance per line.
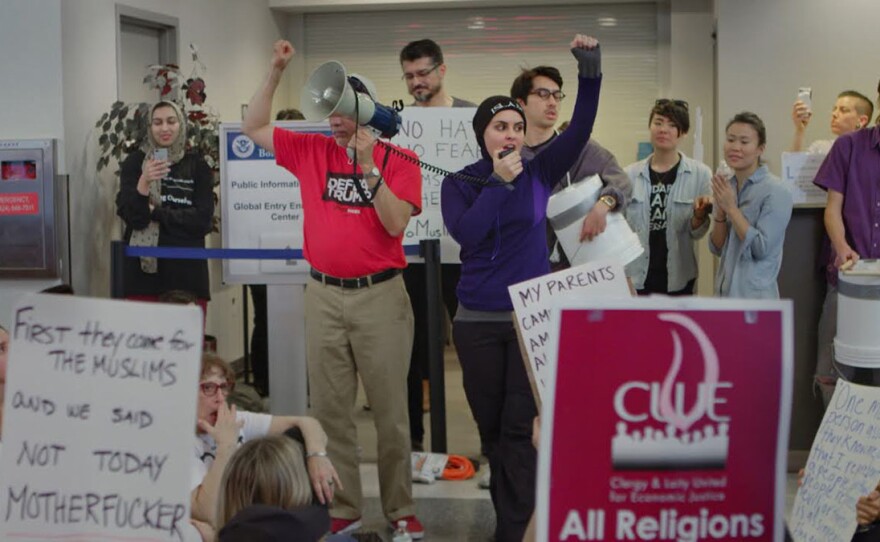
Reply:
x=669, y=207
x=751, y=214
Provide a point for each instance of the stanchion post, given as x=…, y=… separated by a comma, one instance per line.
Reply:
x=117, y=266
x=429, y=249
x=248, y=368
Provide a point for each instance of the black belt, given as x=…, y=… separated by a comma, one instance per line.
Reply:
x=357, y=282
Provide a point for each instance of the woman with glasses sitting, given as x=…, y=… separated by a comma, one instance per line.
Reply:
x=222, y=429
x=670, y=206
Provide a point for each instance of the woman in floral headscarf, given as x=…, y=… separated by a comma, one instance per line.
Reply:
x=166, y=199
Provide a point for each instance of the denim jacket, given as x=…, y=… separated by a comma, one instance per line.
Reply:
x=749, y=267
x=692, y=179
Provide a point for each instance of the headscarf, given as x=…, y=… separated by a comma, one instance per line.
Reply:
x=149, y=236
x=487, y=110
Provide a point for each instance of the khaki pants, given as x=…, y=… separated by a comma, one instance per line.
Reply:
x=367, y=331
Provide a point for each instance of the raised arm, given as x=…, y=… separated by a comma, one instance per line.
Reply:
x=562, y=153
x=257, y=120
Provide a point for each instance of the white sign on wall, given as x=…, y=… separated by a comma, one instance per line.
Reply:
x=534, y=300
x=98, y=420
x=798, y=171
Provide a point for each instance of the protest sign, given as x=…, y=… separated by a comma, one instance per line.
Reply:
x=844, y=464
x=534, y=299
x=667, y=420
x=442, y=137
x=99, y=419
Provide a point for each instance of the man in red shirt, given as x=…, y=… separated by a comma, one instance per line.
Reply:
x=358, y=315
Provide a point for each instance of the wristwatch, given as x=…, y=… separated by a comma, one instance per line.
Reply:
x=609, y=201
x=374, y=173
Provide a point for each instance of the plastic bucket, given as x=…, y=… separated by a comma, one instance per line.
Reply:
x=566, y=211
x=858, y=321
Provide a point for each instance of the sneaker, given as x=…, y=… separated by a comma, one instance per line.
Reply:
x=485, y=480
x=413, y=526
x=344, y=526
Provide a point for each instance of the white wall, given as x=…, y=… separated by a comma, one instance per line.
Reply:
x=767, y=49
x=31, y=91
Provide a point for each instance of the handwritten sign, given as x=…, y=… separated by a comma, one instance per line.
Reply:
x=442, y=137
x=798, y=171
x=534, y=299
x=662, y=423
x=844, y=464
x=98, y=420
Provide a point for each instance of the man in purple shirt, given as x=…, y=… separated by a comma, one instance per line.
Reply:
x=850, y=175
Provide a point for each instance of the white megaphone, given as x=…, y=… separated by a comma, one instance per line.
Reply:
x=328, y=91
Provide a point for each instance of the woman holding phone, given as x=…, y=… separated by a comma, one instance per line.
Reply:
x=166, y=199
x=501, y=227
x=751, y=212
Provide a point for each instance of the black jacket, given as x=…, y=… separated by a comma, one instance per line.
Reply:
x=184, y=219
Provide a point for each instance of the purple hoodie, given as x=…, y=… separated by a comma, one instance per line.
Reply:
x=502, y=232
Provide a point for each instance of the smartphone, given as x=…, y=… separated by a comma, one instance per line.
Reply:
x=805, y=94
x=160, y=154
x=504, y=153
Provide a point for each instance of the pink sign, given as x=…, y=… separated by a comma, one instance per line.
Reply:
x=680, y=435
x=25, y=203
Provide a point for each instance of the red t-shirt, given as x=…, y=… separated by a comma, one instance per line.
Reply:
x=343, y=235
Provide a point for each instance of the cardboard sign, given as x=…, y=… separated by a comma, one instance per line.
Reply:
x=842, y=466
x=442, y=137
x=798, y=171
x=667, y=420
x=99, y=419
x=533, y=301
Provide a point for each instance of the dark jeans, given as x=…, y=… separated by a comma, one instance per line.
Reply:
x=498, y=392
x=415, y=280
x=260, y=338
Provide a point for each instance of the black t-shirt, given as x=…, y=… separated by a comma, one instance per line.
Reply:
x=661, y=184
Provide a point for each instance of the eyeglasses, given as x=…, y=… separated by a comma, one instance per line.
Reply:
x=420, y=74
x=545, y=93
x=210, y=388
x=667, y=101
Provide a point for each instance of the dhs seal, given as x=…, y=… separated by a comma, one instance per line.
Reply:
x=242, y=146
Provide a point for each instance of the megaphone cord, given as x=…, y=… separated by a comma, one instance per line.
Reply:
x=434, y=169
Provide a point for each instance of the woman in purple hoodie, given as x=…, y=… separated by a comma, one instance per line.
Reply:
x=501, y=227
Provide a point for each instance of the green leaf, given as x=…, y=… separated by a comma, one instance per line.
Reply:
x=114, y=139
x=106, y=126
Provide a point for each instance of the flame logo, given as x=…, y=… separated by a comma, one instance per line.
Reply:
x=683, y=420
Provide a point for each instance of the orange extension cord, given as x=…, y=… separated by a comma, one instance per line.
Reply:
x=458, y=467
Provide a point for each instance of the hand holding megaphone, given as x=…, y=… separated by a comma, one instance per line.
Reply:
x=282, y=52
x=362, y=143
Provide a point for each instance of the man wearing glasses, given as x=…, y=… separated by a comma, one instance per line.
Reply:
x=539, y=92
x=423, y=71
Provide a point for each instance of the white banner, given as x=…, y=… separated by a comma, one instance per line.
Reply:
x=533, y=301
x=442, y=137
x=99, y=419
